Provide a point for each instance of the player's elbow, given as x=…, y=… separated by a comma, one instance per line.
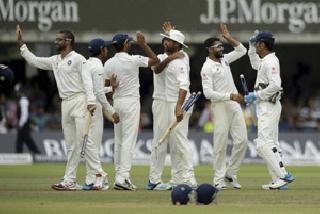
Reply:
x=153, y=61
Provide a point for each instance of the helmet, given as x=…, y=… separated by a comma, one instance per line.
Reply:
x=180, y=194
x=206, y=193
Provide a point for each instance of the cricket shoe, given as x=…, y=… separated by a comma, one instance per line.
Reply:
x=87, y=187
x=67, y=186
x=269, y=185
x=288, y=177
x=126, y=185
x=101, y=182
x=233, y=181
x=279, y=184
x=158, y=186
x=221, y=186
x=284, y=187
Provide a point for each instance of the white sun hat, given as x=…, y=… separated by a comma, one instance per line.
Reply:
x=175, y=35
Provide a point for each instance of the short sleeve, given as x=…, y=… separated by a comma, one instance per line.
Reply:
x=140, y=61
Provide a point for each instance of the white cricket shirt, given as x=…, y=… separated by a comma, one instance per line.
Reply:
x=173, y=78
x=94, y=67
x=126, y=67
x=217, y=80
x=67, y=71
x=268, y=73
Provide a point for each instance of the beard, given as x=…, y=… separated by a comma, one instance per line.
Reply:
x=218, y=54
x=60, y=48
x=169, y=49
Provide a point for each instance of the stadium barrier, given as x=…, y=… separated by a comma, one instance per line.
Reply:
x=297, y=148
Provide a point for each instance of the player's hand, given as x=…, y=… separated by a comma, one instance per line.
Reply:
x=237, y=98
x=250, y=98
x=179, y=113
x=19, y=35
x=116, y=118
x=224, y=31
x=141, y=40
x=252, y=40
x=167, y=26
x=113, y=82
x=177, y=55
x=91, y=108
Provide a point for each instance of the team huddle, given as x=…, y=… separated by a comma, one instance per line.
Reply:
x=90, y=89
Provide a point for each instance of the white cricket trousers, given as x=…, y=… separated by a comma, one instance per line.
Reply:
x=74, y=120
x=93, y=146
x=268, y=123
x=268, y=132
x=180, y=146
x=228, y=117
x=125, y=135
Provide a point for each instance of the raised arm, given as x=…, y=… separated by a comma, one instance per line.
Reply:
x=253, y=56
x=226, y=34
x=44, y=63
x=149, y=52
x=167, y=26
x=239, y=49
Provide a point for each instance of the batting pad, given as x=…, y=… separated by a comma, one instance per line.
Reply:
x=267, y=153
x=277, y=153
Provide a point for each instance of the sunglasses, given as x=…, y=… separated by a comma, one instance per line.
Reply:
x=216, y=46
x=62, y=39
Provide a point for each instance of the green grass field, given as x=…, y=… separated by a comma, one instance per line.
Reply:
x=26, y=189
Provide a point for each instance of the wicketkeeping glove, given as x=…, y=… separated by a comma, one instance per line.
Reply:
x=251, y=97
x=252, y=40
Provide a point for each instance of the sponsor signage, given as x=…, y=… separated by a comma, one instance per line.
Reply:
x=196, y=18
x=297, y=148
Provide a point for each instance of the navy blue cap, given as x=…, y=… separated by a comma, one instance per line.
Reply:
x=95, y=45
x=180, y=194
x=206, y=193
x=263, y=36
x=121, y=38
x=6, y=76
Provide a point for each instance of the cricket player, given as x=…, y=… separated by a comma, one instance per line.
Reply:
x=126, y=101
x=67, y=69
x=96, y=178
x=218, y=86
x=171, y=87
x=267, y=95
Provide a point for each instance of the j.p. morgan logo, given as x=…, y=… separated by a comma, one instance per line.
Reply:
x=294, y=13
x=45, y=13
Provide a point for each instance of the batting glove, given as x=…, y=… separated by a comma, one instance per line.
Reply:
x=250, y=98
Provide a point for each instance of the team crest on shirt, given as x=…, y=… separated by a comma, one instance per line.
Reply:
x=204, y=76
x=274, y=71
x=69, y=62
